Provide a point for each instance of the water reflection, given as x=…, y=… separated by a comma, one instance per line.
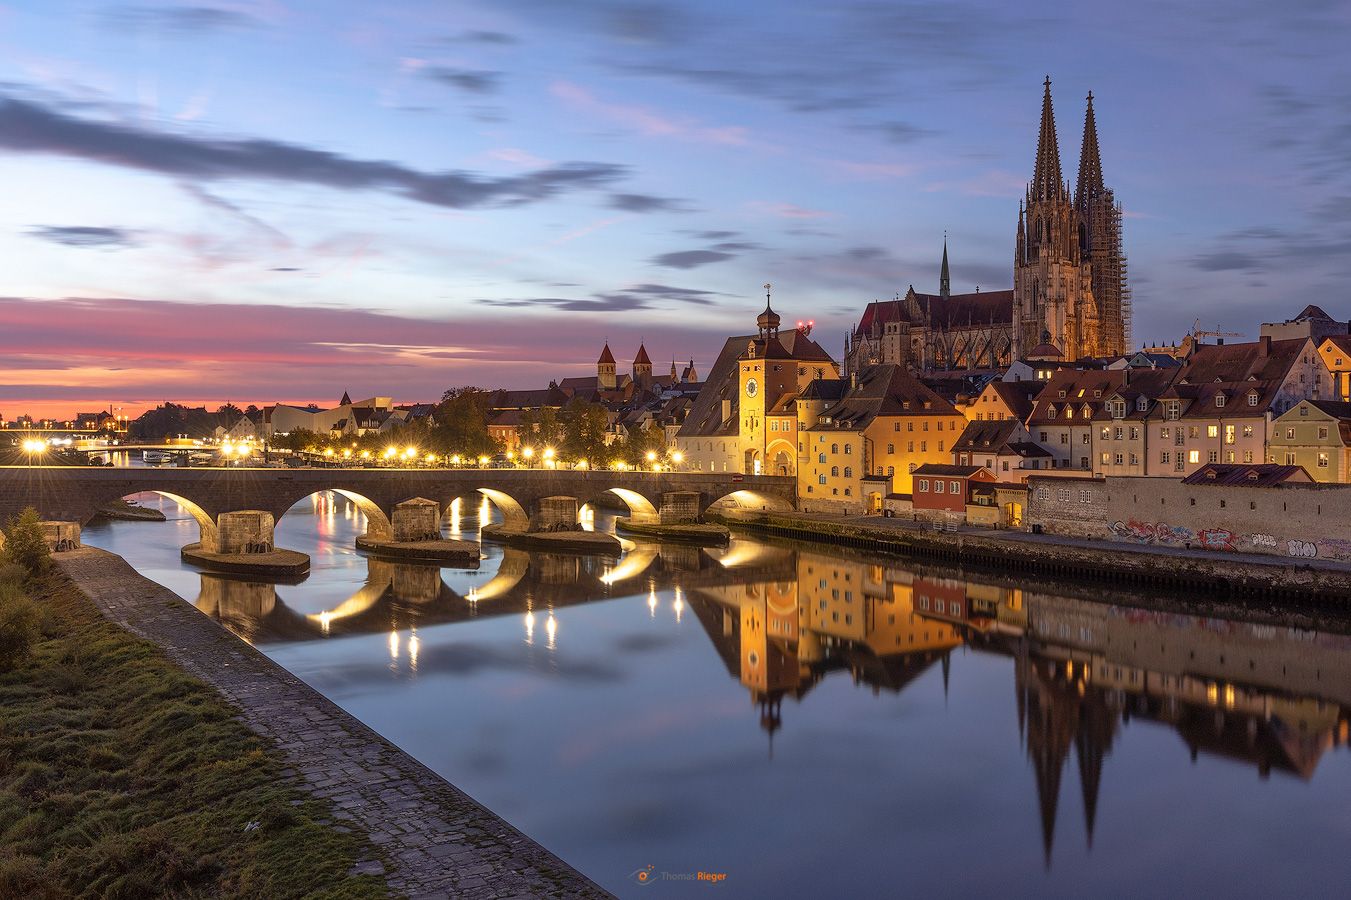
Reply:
x=747, y=686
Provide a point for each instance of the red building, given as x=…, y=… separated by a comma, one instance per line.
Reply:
x=946, y=488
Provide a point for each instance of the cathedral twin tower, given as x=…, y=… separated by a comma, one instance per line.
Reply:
x=1069, y=271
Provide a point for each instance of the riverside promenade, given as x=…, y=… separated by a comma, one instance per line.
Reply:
x=436, y=840
x=1245, y=576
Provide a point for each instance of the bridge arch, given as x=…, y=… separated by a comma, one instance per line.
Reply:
x=514, y=515
x=378, y=525
x=640, y=508
x=749, y=499
x=209, y=534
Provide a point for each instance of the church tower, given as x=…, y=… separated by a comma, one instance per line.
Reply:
x=642, y=369
x=605, y=370
x=1052, y=280
x=1101, y=218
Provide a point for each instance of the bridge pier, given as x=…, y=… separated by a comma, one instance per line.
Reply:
x=679, y=508
x=555, y=514
x=416, y=520
x=244, y=531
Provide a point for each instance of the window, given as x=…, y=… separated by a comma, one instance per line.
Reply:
x=1290, y=458
x=1229, y=456
x=895, y=426
x=1064, y=437
x=1247, y=456
x=1322, y=432
x=1116, y=459
x=821, y=479
x=1219, y=399
x=1105, y=458
x=834, y=471
x=940, y=446
x=1304, y=411
x=925, y=425
x=954, y=487
x=1170, y=410
x=939, y=486
x=1179, y=438
x=834, y=448
x=1322, y=460
x=1247, y=431
x=891, y=470
x=1212, y=431
x=1212, y=456
x=1193, y=456
x=1163, y=433
x=1043, y=437
x=924, y=485
x=891, y=448
x=1290, y=433
x=909, y=446
x=1179, y=465
x=1135, y=433
x=1164, y=457
x=821, y=457
x=848, y=449
x=1118, y=433
x=1229, y=434
x=1086, y=437
x=1252, y=398
x=923, y=446
x=1135, y=460
x=1105, y=432
x=909, y=426
x=848, y=471
x=1085, y=497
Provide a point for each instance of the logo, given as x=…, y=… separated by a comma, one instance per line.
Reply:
x=642, y=876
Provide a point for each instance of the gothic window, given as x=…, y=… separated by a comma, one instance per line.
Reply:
x=1083, y=237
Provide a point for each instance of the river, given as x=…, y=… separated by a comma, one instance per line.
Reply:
x=812, y=722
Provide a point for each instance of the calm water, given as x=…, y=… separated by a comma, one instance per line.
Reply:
x=814, y=725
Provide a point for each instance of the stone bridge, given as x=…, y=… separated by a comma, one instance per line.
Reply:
x=238, y=508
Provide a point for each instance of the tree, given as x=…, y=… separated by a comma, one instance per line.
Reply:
x=26, y=545
x=584, y=425
x=462, y=423
x=651, y=438
x=541, y=428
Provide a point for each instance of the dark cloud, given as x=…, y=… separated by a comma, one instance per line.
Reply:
x=715, y=235
x=902, y=132
x=691, y=259
x=641, y=296
x=29, y=127
x=646, y=203
x=187, y=19
x=1227, y=260
x=647, y=23
x=84, y=235
x=286, y=269
x=500, y=38
x=471, y=81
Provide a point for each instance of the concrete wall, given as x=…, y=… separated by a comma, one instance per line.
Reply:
x=1301, y=521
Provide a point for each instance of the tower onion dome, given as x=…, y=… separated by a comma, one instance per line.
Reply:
x=768, y=320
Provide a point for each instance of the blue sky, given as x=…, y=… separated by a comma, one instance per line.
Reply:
x=265, y=201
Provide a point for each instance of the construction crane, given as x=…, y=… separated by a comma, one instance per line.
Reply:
x=1197, y=333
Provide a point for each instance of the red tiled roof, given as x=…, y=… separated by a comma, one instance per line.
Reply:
x=952, y=311
x=606, y=356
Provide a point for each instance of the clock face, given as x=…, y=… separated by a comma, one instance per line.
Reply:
x=752, y=388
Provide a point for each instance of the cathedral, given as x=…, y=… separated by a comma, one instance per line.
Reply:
x=1069, y=281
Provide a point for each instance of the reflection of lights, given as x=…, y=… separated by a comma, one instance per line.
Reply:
x=678, y=605
x=325, y=618
x=472, y=596
x=530, y=628
x=551, y=629
x=652, y=603
x=413, y=645
x=394, y=645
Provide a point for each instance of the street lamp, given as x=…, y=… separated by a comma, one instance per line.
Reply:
x=34, y=447
x=677, y=458
x=528, y=452
x=549, y=456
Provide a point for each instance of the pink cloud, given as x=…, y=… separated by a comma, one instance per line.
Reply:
x=788, y=210
x=648, y=122
x=87, y=352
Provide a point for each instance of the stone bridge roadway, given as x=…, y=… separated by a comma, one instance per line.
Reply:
x=236, y=507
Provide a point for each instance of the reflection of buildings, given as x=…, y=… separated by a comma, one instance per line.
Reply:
x=1272, y=698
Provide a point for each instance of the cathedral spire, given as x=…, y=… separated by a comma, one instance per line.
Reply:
x=1090, y=160
x=944, y=281
x=1046, y=178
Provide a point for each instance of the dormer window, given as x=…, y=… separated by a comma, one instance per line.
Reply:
x=1252, y=475
x=1069, y=412
x=1061, y=394
x=1097, y=395
x=1252, y=398
x=1219, y=399
x=1170, y=410
x=1087, y=411
x=1141, y=403
x=1051, y=411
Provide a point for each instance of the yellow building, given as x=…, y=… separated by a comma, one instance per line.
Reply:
x=1315, y=434
x=883, y=422
x=1336, y=354
x=744, y=418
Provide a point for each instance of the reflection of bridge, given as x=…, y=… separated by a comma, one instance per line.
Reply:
x=403, y=595
x=76, y=494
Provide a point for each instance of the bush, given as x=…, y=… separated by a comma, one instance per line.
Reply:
x=18, y=625
x=26, y=545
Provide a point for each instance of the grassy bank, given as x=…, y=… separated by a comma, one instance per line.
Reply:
x=121, y=776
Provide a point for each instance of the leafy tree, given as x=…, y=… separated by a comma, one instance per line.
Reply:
x=26, y=545
x=540, y=428
x=462, y=423
x=583, y=425
x=650, y=438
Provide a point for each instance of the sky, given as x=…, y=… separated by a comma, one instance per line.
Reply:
x=279, y=200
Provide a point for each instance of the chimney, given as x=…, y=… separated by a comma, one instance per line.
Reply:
x=853, y=381
x=1264, y=345
x=726, y=410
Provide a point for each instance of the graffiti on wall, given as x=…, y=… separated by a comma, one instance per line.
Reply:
x=1225, y=540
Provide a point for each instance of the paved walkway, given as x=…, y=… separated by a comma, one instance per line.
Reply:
x=437, y=841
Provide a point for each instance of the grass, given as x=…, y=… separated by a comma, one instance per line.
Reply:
x=122, y=776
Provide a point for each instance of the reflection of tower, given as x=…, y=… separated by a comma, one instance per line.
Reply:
x=1060, y=710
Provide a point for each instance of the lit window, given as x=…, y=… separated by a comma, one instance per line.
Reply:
x=1193, y=456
